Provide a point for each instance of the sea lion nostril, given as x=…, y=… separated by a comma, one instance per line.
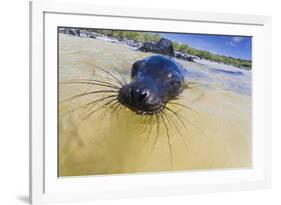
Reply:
x=137, y=95
x=143, y=95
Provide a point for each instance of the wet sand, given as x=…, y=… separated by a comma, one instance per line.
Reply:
x=113, y=141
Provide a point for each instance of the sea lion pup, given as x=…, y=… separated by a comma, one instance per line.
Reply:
x=155, y=81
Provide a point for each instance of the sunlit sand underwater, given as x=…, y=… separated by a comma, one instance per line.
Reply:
x=216, y=133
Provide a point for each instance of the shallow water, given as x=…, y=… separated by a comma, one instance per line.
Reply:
x=216, y=135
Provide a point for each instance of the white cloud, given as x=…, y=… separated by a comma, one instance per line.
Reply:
x=231, y=43
x=237, y=39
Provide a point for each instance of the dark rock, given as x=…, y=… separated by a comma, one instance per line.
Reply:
x=79, y=32
x=70, y=31
x=88, y=34
x=84, y=33
x=149, y=47
x=92, y=36
x=184, y=56
x=164, y=46
x=133, y=43
x=74, y=32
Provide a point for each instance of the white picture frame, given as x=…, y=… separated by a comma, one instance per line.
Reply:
x=46, y=187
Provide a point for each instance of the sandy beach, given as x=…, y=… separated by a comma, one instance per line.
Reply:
x=216, y=135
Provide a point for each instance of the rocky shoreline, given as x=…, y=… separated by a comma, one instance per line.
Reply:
x=163, y=46
x=160, y=46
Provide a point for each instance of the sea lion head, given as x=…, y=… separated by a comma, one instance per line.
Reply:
x=155, y=81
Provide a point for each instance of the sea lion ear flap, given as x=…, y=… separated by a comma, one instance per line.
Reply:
x=136, y=67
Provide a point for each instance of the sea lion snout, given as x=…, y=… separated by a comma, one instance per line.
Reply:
x=141, y=96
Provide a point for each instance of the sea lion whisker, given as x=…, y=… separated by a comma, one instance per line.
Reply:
x=99, y=81
x=95, y=104
x=182, y=105
x=119, y=110
x=176, y=114
x=179, y=117
x=105, y=71
x=115, y=107
x=180, y=133
x=122, y=77
x=85, y=118
x=146, y=123
x=183, y=138
x=95, y=101
x=149, y=131
x=89, y=93
x=112, y=111
x=114, y=77
x=100, y=99
x=102, y=106
x=141, y=125
x=167, y=117
x=194, y=125
x=169, y=143
x=92, y=76
x=157, y=133
x=90, y=83
x=110, y=106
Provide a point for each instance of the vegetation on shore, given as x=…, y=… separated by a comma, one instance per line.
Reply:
x=184, y=48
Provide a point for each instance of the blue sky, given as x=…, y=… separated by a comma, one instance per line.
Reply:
x=235, y=46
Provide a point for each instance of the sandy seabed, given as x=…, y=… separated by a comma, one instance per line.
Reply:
x=113, y=141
